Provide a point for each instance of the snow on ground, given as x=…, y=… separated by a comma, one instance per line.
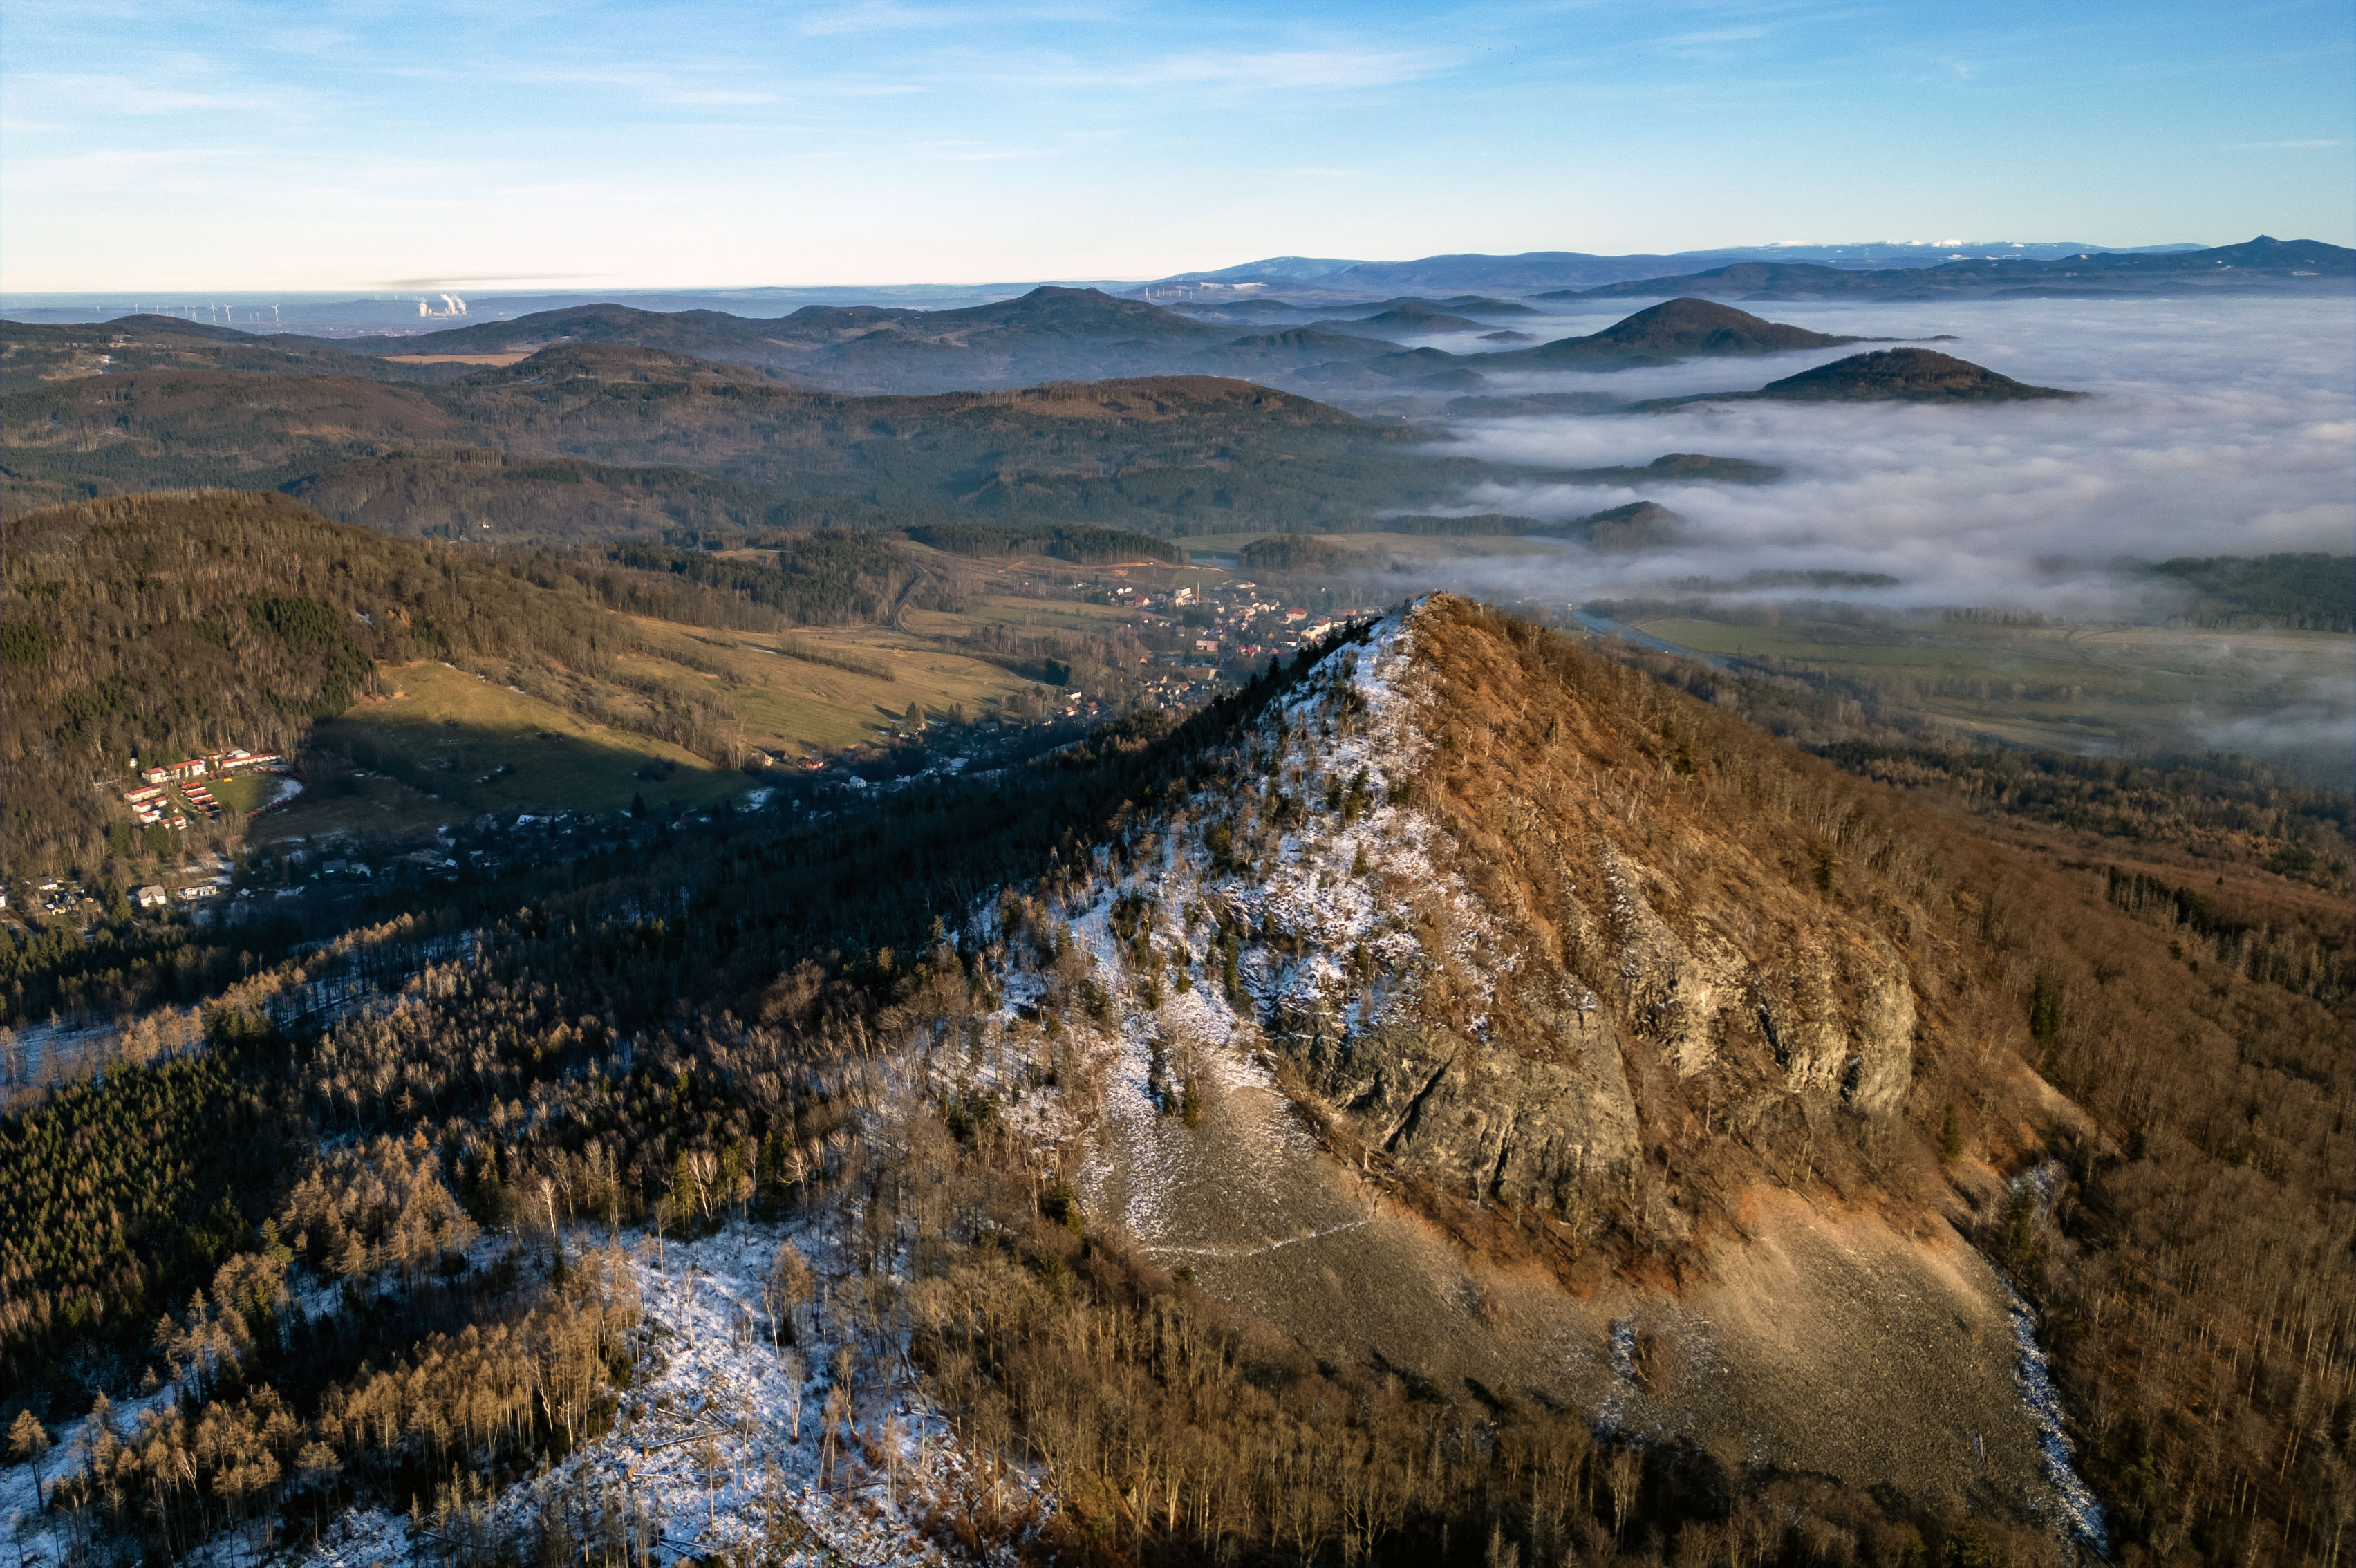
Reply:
x=2080, y=1511
x=39, y=1537
x=1319, y=905
x=1323, y=885
x=701, y=1460
x=702, y=1457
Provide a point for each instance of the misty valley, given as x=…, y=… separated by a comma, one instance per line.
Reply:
x=1504, y=910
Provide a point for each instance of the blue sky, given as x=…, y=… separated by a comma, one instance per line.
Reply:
x=233, y=146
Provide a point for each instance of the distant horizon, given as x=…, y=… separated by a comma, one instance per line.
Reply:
x=403, y=290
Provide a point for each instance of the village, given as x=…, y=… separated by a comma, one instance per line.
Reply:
x=169, y=792
x=167, y=799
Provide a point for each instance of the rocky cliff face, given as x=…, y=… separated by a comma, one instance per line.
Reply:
x=1465, y=915
x=1504, y=921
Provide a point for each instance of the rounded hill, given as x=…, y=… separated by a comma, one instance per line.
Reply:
x=1672, y=331
x=1904, y=375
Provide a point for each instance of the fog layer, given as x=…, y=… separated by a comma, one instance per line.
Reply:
x=2224, y=427
x=2211, y=428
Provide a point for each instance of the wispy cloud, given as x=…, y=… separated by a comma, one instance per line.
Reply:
x=121, y=169
x=963, y=152
x=456, y=279
x=897, y=15
x=1295, y=70
x=129, y=93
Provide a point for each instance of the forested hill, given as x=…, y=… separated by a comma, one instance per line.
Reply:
x=498, y=454
x=164, y=625
x=1048, y=334
x=31, y=353
x=1673, y=330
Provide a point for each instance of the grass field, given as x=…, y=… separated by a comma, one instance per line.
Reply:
x=243, y=792
x=451, y=744
x=1057, y=614
x=2086, y=688
x=374, y=808
x=451, y=734
x=458, y=358
x=803, y=706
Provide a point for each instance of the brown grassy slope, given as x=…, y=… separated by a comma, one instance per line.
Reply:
x=2195, y=1264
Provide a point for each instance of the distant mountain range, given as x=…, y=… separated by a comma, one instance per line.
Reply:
x=1050, y=335
x=2262, y=263
x=1292, y=290
x=585, y=440
x=1539, y=270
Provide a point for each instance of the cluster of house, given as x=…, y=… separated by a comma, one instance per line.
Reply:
x=153, y=802
x=152, y=896
x=1278, y=627
x=239, y=760
x=55, y=897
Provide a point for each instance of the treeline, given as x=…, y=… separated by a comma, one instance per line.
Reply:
x=836, y=658
x=1058, y=657
x=2232, y=809
x=119, y=965
x=2302, y=591
x=2320, y=966
x=1289, y=553
x=279, y=1422
x=1083, y=545
x=1471, y=526
x=119, y=1192
x=1171, y=1428
x=2237, y=810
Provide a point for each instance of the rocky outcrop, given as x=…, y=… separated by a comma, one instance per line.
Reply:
x=1529, y=1132
x=1501, y=921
